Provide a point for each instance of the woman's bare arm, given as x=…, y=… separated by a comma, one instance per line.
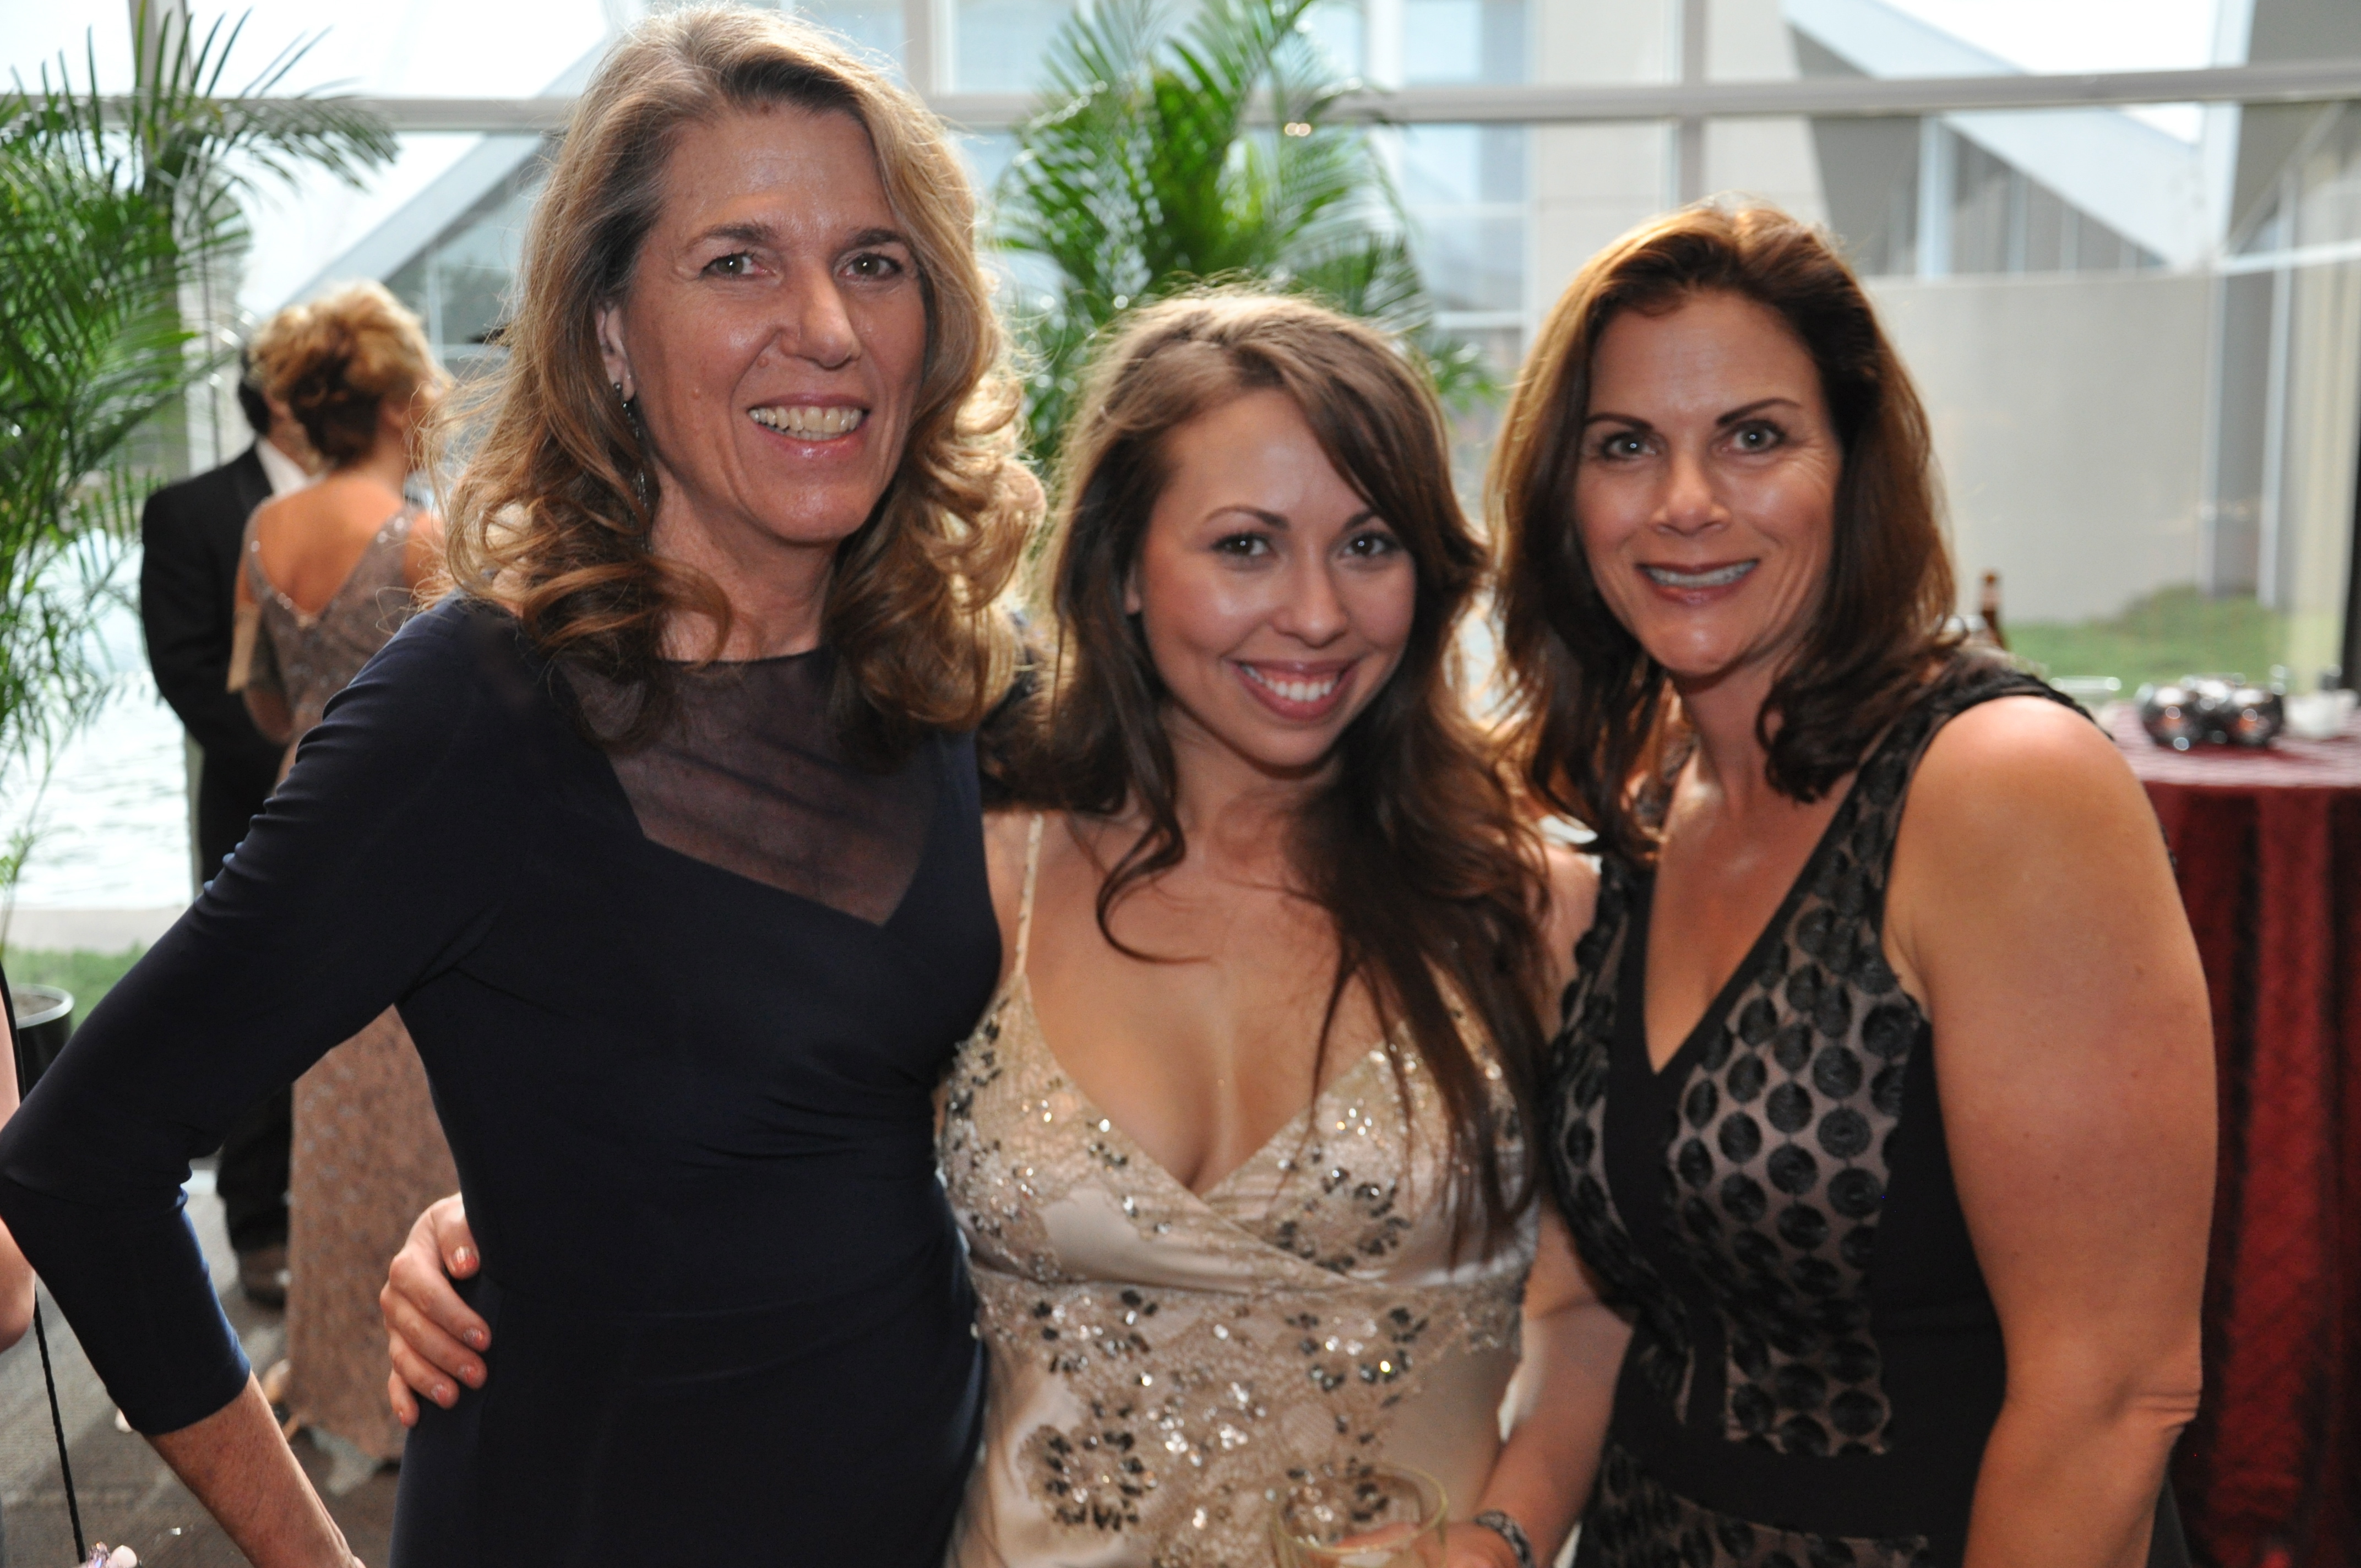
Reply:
x=253, y=674
x=241, y=1469
x=1558, y=1405
x=1565, y=1387
x=2035, y=914
x=421, y=556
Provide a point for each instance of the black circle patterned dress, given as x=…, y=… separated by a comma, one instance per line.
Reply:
x=1816, y=1363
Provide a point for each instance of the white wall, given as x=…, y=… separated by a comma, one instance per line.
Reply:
x=1590, y=184
x=2068, y=419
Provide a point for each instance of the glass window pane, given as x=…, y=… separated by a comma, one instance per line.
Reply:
x=2149, y=433
x=1465, y=188
x=997, y=45
x=875, y=28
x=1463, y=40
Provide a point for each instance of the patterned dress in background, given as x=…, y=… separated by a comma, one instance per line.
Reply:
x=1816, y=1363
x=1161, y=1360
x=368, y=1153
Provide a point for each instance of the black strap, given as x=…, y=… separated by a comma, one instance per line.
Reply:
x=40, y=1333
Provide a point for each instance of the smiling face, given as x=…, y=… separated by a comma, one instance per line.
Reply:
x=774, y=335
x=1274, y=602
x=1706, y=494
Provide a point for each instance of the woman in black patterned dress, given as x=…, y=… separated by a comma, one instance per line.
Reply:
x=1895, y=1144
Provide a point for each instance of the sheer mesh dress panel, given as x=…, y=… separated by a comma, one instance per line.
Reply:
x=747, y=775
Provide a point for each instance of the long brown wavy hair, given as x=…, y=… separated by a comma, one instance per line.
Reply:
x=1414, y=848
x=1594, y=716
x=551, y=517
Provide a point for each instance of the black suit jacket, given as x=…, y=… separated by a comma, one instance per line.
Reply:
x=188, y=577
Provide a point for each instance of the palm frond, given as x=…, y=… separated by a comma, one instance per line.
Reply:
x=1144, y=171
x=109, y=206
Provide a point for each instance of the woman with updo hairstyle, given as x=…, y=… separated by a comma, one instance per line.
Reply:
x=1882, y=1105
x=327, y=576
x=661, y=833
x=328, y=573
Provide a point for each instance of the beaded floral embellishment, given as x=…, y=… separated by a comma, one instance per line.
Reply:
x=1197, y=1403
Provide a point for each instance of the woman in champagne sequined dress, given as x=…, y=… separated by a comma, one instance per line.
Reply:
x=1231, y=1218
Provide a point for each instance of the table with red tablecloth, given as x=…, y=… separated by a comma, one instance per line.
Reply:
x=2267, y=846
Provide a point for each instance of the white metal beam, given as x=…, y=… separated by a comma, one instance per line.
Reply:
x=2283, y=81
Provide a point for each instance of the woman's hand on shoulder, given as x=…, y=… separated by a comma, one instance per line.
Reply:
x=1572, y=879
x=435, y=1338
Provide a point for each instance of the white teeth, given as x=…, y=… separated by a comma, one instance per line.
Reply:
x=1720, y=576
x=808, y=423
x=1293, y=690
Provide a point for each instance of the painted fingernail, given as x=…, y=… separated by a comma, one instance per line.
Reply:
x=474, y=1374
x=441, y=1394
x=464, y=1258
x=473, y=1337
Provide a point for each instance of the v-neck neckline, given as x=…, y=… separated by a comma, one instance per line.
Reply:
x=1019, y=990
x=1634, y=983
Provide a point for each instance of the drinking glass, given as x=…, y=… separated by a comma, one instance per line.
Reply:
x=1377, y=1516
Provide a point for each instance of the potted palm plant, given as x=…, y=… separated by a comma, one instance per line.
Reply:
x=111, y=207
x=1168, y=153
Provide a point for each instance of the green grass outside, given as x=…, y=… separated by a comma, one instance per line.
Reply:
x=87, y=975
x=2163, y=636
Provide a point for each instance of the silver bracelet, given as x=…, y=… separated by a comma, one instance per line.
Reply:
x=1509, y=1530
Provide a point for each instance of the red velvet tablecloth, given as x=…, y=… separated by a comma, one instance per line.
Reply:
x=2267, y=849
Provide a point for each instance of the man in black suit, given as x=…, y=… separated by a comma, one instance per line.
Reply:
x=190, y=532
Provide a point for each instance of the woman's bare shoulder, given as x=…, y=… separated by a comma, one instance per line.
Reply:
x=2025, y=829
x=1007, y=835
x=1006, y=832
x=2017, y=765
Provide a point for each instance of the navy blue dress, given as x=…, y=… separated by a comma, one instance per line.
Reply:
x=683, y=1012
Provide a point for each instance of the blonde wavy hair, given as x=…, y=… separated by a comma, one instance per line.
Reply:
x=338, y=360
x=551, y=517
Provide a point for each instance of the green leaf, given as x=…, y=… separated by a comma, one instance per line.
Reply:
x=109, y=208
x=1142, y=173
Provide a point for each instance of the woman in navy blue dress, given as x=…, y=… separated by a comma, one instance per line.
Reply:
x=663, y=834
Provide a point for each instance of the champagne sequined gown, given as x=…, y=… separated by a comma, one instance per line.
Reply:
x=368, y=1153
x=1161, y=1360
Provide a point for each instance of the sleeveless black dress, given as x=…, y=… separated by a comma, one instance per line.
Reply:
x=682, y=1010
x=1816, y=1363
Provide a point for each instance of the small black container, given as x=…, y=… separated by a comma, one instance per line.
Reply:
x=2211, y=711
x=43, y=1023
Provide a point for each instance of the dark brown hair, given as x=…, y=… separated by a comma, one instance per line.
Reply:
x=1415, y=849
x=552, y=515
x=336, y=361
x=1594, y=714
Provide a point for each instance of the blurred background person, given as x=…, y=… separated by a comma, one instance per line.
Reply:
x=190, y=535
x=328, y=574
